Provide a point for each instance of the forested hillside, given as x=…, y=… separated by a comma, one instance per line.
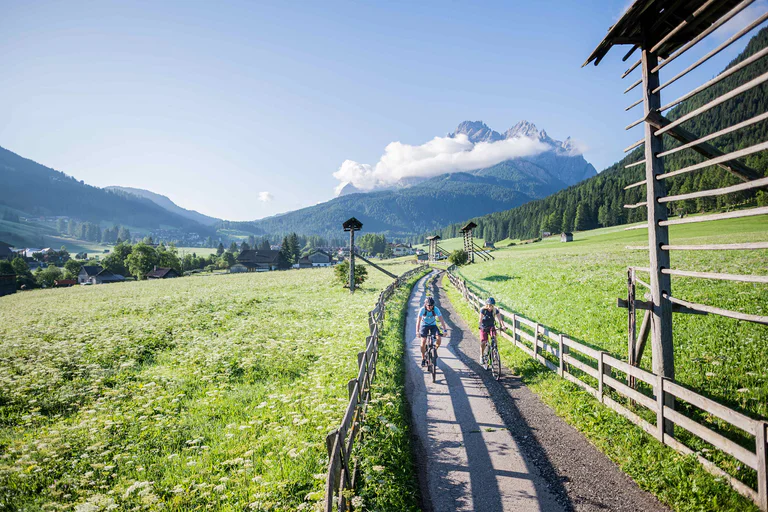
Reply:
x=40, y=192
x=599, y=201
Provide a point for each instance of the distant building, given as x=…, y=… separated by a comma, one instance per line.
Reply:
x=304, y=262
x=489, y=245
x=238, y=268
x=87, y=272
x=422, y=256
x=95, y=274
x=319, y=258
x=566, y=237
x=259, y=261
x=162, y=273
x=401, y=249
x=64, y=283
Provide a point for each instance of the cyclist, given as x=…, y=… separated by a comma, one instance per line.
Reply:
x=488, y=315
x=427, y=324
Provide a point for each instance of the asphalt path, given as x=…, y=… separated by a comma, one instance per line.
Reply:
x=484, y=445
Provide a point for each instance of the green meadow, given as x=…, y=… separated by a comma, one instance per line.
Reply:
x=185, y=394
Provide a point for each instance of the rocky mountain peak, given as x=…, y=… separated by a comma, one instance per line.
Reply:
x=477, y=131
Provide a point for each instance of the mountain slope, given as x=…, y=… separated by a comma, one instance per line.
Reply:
x=417, y=204
x=602, y=197
x=40, y=191
x=167, y=204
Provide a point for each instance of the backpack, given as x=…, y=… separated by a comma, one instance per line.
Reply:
x=488, y=319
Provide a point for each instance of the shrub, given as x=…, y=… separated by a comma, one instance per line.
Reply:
x=459, y=257
x=342, y=273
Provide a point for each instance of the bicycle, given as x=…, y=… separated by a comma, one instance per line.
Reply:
x=491, y=356
x=432, y=356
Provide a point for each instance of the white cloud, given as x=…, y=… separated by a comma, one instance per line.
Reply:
x=266, y=197
x=439, y=156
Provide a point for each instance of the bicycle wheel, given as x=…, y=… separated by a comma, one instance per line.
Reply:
x=495, y=362
x=433, y=362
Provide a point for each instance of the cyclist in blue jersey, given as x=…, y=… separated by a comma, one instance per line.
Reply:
x=427, y=324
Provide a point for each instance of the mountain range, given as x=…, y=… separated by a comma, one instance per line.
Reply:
x=166, y=203
x=415, y=205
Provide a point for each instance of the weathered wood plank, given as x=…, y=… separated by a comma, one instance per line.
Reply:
x=634, y=418
x=721, y=443
x=736, y=419
x=591, y=352
x=586, y=387
x=633, y=394
x=580, y=365
x=634, y=371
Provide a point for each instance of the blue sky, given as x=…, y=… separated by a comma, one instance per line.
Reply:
x=243, y=110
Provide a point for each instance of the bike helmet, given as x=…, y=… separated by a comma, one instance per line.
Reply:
x=491, y=301
x=430, y=302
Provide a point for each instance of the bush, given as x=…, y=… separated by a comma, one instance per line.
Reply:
x=459, y=257
x=342, y=273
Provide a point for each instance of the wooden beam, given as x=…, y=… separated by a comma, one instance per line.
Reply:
x=741, y=171
x=390, y=274
x=661, y=314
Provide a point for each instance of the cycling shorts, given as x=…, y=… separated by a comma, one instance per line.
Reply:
x=485, y=331
x=426, y=330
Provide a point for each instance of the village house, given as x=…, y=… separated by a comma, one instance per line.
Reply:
x=401, y=249
x=566, y=237
x=64, y=283
x=259, y=261
x=238, y=268
x=95, y=274
x=320, y=258
x=162, y=273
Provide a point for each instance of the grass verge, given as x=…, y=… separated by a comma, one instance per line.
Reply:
x=389, y=479
x=677, y=480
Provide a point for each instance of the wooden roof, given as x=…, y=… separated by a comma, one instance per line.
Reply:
x=468, y=227
x=433, y=237
x=654, y=19
x=352, y=224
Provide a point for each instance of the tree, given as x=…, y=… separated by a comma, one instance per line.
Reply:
x=220, y=249
x=581, y=222
x=115, y=261
x=72, y=269
x=232, y=247
x=61, y=226
x=459, y=257
x=46, y=277
x=341, y=272
x=168, y=258
x=285, y=258
x=124, y=234
x=264, y=244
x=6, y=267
x=142, y=260
x=245, y=246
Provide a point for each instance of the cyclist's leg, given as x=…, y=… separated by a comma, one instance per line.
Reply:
x=423, y=346
x=438, y=338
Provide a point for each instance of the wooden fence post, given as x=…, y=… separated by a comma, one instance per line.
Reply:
x=600, y=370
x=560, y=353
x=514, y=328
x=762, y=465
x=351, y=388
x=536, y=342
x=660, y=408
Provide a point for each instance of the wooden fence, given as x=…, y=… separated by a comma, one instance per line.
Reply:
x=342, y=468
x=603, y=376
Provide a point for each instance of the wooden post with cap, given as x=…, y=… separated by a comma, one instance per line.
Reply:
x=352, y=225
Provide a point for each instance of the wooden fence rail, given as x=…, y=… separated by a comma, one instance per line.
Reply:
x=342, y=469
x=585, y=366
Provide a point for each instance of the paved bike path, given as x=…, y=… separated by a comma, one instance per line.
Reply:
x=494, y=446
x=471, y=460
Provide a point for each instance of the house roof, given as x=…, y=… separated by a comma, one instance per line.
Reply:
x=649, y=22
x=258, y=256
x=160, y=272
x=106, y=275
x=91, y=270
x=469, y=227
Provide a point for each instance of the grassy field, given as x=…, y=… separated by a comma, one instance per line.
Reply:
x=573, y=287
x=181, y=394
